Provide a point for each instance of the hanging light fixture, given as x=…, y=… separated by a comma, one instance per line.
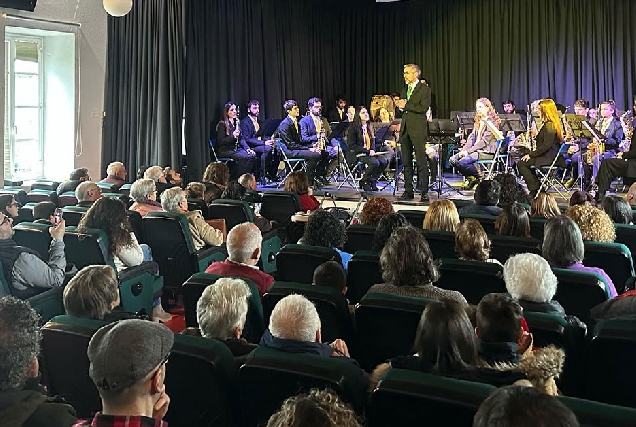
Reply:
x=118, y=7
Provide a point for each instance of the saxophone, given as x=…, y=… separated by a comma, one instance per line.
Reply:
x=568, y=134
x=628, y=131
x=596, y=146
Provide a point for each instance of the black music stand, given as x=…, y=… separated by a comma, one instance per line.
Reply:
x=442, y=131
x=465, y=120
x=268, y=128
x=512, y=123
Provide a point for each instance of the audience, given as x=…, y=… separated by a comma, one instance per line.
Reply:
x=174, y=200
x=244, y=251
x=298, y=182
x=222, y=311
x=411, y=272
x=76, y=178
x=235, y=191
x=595, y=225
x=563, y=247
x=330, y=274
x=631, y=193
x=580, y=197
x=144, y=193
x=44, y=213
x=9, y=206
x=157, y=174
x=373, y=210
x=195, y=190
x=172, y=176
x=248, y=181
x=472, y=242
x=513, y=221
x=544, y=206
x=441, y=216
x=116, y=174
x=325, y=230
x=385, y=228
x=486, y=199
x=128, y=362
x=618, y=209
x=511, y=191
x=23, y=401
x=215, y=178
x=86, y=193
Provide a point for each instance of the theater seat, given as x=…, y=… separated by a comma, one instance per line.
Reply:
x=597, y=414
x=363, y=272
x=296, y=263
x=615, y=259
x=442, y=243
x=579, y=291
x=359, y=238
x=473, y=279
x=486, y=221
x=503, y=247
x=34, y=236
x=415, y=217
x=73, y=215
x=279, y=206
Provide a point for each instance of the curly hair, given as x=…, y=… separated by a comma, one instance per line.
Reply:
x=195, y=190
x=492, y=113
x=595, y=224
x=319, y=408
x=324, y=229
x=471, y=241
x=415, y=266
x=385, y=228
x=544, y=206
x=511, y=191
x=217, y=173
x=110, y=216
x=441, y=215
x=374, y=210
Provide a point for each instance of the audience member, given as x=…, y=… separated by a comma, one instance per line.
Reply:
x=174, y=200
x=331, y=274
x=86, y=193
x=23, y=269
x=172, y=176
x=235, y=191
x=76, y=178
x=23, y=401
x=486, y=199
x=9, y=206
x=157, y=174
x=622, y=307
x=298, y=182
x=195, y=190
x=244, y=250
x=631, y=194
x=544, y=206
x=222, y=311
x=511, y=190
x=144, y=193
x=248, y=181
x=411, y=272
x=128, y=365
x=385, y=228
x=44, y=213
x=563, y=247
x=472, y=242
x=116, y=174
x=141, y=171
x=580, y=197
x=215, y=178
x=373, y=210
x=595, y=224
x=618, y=209
x=441, y=216
x=513, y=221
x=325, y=230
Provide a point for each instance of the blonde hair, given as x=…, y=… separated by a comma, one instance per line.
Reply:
x=441, y=215
x=544, y=206
x=548, y=113
x=492, y=115
x=595, y=224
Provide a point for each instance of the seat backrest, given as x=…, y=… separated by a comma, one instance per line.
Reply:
x=108, y=186
x=614, y=258
x=34, y=236
x=415, y=217
x=579, y=291
x=36, y=196
x=296, y=263
x=270, y=376
x=44, y=184
x=404, y=398
x=597, y=414
x=626, y=234
x=363, y=271
x=386, y=326
x=503, y=247
x=67, y=199
x=135, y=218
x=473, y=279
x=279, y=206
x=87, y=248
x=234, y=212
x=193, y=289
x=486, y=221
x=536, y=227
x=5, y=289
x=442, y=243
x=18, y=194
x=359, y=238
x=73, y=214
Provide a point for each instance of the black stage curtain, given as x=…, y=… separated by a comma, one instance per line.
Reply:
x=273, y=50
x=144, y=86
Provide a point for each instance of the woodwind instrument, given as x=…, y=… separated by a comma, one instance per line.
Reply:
x=628, y=131
x=596, y=146
x=320, y=132
x=237, y=128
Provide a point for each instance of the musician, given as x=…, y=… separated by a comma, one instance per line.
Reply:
x=364, y=147
x=315, y=131
x=548, y=142
x=339, y=112
x=579, y=148
x=252, y=135
x=291, y=144
x=231, y=145
x=623, y=165
x=414, y=102
x=509, y=107
x=480, y=144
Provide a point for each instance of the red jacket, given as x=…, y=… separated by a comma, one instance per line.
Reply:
x=308, y=203
x=228, y=268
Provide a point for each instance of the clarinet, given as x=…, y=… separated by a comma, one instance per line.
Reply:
x=236, y=127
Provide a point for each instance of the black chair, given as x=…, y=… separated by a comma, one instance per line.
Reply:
x=473, y=279
x=73, y=215
x=279, y=206
x=36, y=196
x=486, y=221
x=135, y=223
x=415, y=217
x=34, y=236
x=296, y=263
x=25, y=214
x=626, y=234
x=442, y=243
x=45, y=184
x=67, y=199
x=503, y=247
x=108, y=187
x=359, y=238
x=536, y=227
x=363, y=272
x=579, y=291
x=615, y=259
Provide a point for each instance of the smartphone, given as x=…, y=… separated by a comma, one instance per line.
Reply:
x=57, y=216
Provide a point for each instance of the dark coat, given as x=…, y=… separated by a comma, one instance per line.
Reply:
x=414, y=115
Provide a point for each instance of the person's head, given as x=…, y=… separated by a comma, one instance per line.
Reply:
x=487, y=193
x=172, y=176
x=244, y=243
x=519, y=406
x=156, y=174
x=385, y=228
x=499, y=318
x=445, y=339
x=361, y=119
x=9, y=206
x=441, y=215
x=6, y=226
x=20, y=338
x=411, y=73
x=485, y=110
x=318, y=408
x=384, y=115
x=143, y=190
x=79, y=174
x=44, y=210
x=580, y=197
x=222, y=309
x=508, y=106
x=581, y=107
x=324, y=229
x=529, y=277
x=253, y=107
x=291, y=108
x=117, y=169
x=110, y=216
x=595, y=224
x=401, y=267
x=548, y=113
x=174, y=200
x=295, y=318
x=608, y=109
x=562, y=242
x=395, y=97
x=229, y=111
x=128, y=364
x=314, y=105
x=351, y=113
x=631, y=194
x=593, y=113
x=248, y=181
x=233, y=191
x=87, y=191
x=618, y=209
x=510, y=189
x=513, y=220
x=331, y=274
x=297, y=182
x=341, y=102
x=544, y=206
x=471, y=241
x=217, y=172
x=195, y=190
x=92, y=293
x=374, y=210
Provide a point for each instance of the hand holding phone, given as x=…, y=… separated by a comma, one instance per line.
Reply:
x=57, y=216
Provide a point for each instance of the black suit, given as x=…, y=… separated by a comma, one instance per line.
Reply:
x=293, y=147
x=375, y=164
x=413, y=135
x=254, y=139
x=228, y=146
x=309, y=137
x=547, y=148
x=613, y=168
x=336, y=115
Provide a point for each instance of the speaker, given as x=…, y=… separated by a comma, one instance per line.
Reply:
x=19, y=4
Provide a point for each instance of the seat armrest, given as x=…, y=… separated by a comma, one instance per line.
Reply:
x=206, y=256
x=145, y=267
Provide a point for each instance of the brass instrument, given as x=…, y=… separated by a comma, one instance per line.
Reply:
x=596, y=147
x=321, y=142
x=568, y=134
x=628, y=131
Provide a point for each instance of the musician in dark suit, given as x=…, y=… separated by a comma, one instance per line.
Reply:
x=623, y=165
x=414, y=102
x=339, y=111
x=579, y=146
x=230, y=144
x=291, y=144
x=609, y=128
x=252, y=135
x=363, y=147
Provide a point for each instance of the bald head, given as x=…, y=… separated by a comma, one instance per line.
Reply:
x=244, y=243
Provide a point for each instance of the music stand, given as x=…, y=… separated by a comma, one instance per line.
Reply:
x=579, y=131
x=512, y=123
x=443, y=131
x=465, y=120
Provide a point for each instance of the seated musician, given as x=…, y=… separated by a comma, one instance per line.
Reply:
x=289, y=133
x=549, y=141
x=230, y=144
x=251, y=133
x=579, y=146
x=364, y=147
x=480, y=144
x=315, y=131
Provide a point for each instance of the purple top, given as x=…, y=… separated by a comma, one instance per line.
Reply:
x=580, y=267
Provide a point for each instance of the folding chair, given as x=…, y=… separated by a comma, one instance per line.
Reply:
x=224, y=160
x=548, y=175
x=500, y=159
x=291, y=163
x=348, y=174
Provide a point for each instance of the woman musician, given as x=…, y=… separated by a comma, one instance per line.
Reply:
x=230, y=144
